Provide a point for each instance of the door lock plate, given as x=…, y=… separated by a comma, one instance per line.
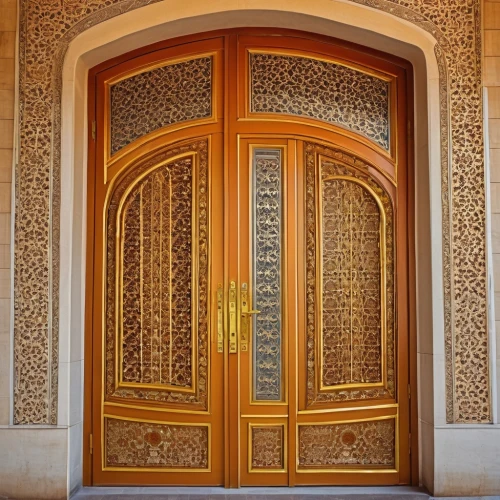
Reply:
x=220, y=318
x=245, y=320
x=233, y=322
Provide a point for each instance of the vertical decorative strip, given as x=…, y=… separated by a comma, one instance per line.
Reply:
x=267, y=275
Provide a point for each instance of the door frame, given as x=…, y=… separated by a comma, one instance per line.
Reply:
x=406, y=130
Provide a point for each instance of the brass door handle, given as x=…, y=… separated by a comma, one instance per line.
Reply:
x=248, y=313
x=245, y=316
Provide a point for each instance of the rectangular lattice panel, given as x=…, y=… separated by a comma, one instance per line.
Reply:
x=369, y=444
x=153, y=99
x=146, y=445
x=350, y=260
x=157, y=280
x=267, y=447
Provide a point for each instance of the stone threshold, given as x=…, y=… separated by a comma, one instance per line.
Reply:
x=253, y=493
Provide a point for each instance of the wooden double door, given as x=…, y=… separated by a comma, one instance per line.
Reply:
x=248, y=302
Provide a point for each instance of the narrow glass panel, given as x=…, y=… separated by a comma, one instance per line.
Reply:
x=266, y=279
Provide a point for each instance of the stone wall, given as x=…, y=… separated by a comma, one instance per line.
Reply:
x=7, y=82
x=491, y=38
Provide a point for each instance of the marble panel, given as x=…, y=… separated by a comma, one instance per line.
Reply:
x=38, y=468
x=467, y=463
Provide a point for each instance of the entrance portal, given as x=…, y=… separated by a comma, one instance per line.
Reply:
x=249, y=286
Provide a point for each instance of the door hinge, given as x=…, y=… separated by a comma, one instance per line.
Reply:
x=94, y=126
x=91, y=444
x=409, y=391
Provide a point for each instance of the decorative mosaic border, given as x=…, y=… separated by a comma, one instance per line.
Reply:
x=46, y=29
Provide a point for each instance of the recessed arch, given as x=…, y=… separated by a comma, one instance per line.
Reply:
x=120, y=34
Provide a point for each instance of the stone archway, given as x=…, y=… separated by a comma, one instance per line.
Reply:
x=113, y=38
x=51, y=37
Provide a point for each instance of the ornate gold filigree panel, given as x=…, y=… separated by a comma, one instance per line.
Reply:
x=142, y=445
x=157, y=280
x=322, y=90
x=162, y=96
x=158, y=302
x=355, y=445
x=350, y=264
x=266, y=444
x=267, y=275
x=352, y=242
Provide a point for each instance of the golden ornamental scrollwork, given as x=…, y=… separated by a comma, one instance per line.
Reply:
x=322, y=90
x=353, y=445
x=157, y=280
x=159, y=97
x=351, y=331
x=141, y=445
x=267, y=448
x=157, y=266
x=350, y=270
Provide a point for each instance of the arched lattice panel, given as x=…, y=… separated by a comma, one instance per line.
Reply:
x=157, y=281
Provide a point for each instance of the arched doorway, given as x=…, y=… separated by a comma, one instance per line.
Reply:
x=250, y=291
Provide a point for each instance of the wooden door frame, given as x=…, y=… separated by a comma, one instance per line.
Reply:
x=369, y=55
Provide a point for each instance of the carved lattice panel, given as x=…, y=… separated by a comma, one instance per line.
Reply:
x=156, y=446
x=162, y=96
x=157, y=276
x=267, y=447
x=351, y=274
x=348, y=237
x=321, y=90
x=363, y=445
x=267, y=275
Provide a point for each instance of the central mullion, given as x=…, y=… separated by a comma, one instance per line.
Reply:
x=231, y=261
x=263, y=172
